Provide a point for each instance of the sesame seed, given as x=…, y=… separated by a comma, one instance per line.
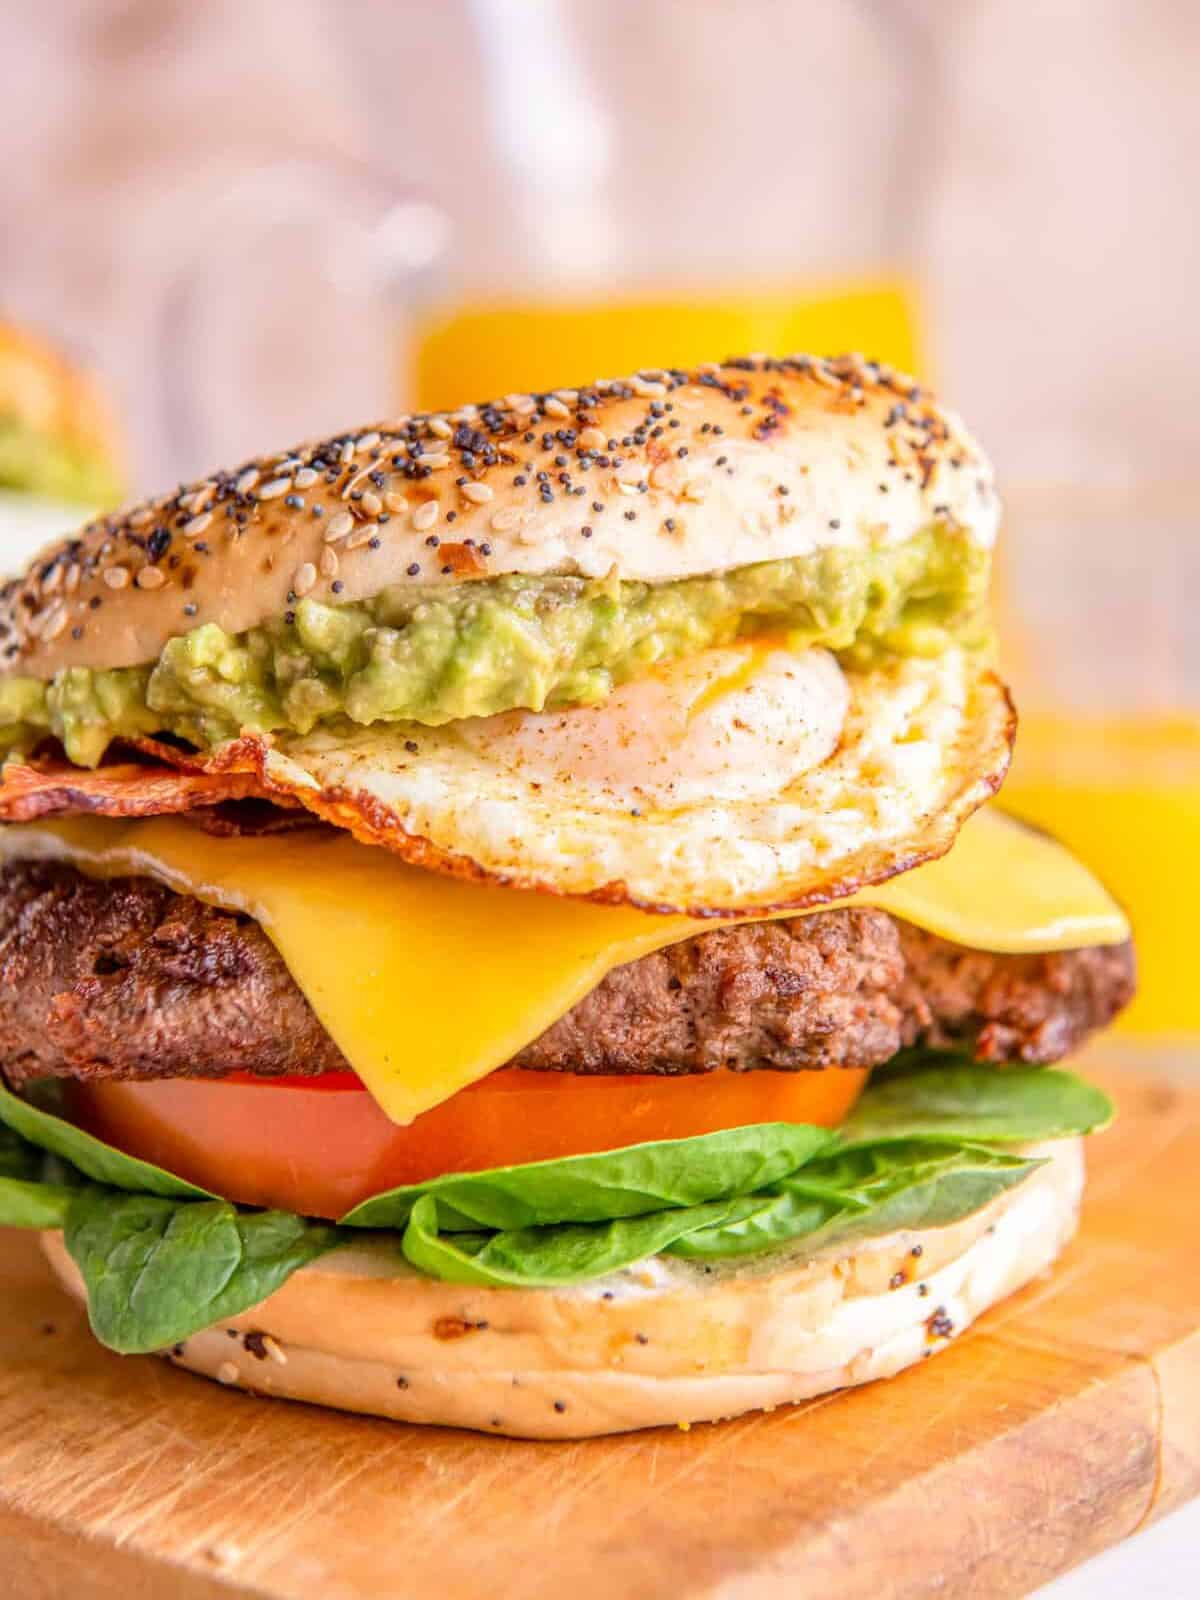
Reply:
x=503, y=520
x=396, y=503
x=339, y=527
x=143, y=515
x=555, y=408
x=440, y=428
x=433, y=462
x=246, y=481
x=425, y=516
x=305, y=478
x=151, y=577
x=479, y=493
x=368, y=441
x=591, y=439
x=371, y=503
x=276, y=487
x=274, y=1349
x=227, y=1373
x=346, y=453
x=366, y=534
x=55, y=622
x=196, y=526
x=328, y=563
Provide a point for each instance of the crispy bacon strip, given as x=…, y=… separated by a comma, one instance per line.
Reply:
x=122, y=789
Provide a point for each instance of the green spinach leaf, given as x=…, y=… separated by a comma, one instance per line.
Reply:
x=539, y=1258
x=965, y=1101
x=95, y=1159
x=30, y=1196
x=608, y=1185
x=157, y=1269
x=866, y=1192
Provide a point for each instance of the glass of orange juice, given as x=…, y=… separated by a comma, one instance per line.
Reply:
x=667, y=193
x=1101, y=642
x=495, y=344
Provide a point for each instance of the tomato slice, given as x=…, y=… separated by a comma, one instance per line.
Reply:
x=320, y=1145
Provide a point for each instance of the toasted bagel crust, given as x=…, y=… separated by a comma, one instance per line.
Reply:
x=663, y=1343
x=660, y=476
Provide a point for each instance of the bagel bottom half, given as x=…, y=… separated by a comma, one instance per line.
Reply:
x=667, y=1342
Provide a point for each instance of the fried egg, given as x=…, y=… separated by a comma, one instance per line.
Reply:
x=746, y=777
x=728, y=724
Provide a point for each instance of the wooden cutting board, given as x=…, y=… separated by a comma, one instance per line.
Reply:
x=1064, y=1421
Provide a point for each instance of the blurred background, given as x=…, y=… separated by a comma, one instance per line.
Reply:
x=253, y=220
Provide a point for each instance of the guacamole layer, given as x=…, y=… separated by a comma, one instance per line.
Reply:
x=433, y=655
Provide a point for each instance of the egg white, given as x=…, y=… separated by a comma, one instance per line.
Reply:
x=715, y=786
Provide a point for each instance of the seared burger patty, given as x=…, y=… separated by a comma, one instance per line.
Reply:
x=126, y=979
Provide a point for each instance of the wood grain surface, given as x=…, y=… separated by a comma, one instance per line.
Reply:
x=1062, y=1423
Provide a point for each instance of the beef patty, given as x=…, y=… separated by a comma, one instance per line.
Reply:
x=126, y=979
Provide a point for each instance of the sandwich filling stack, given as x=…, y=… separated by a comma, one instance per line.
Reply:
x=499, y=923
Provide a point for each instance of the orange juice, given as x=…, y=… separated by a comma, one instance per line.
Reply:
x=1125, y=794
x=493, y=347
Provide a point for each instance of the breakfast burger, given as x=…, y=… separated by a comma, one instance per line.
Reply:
x=497, y=926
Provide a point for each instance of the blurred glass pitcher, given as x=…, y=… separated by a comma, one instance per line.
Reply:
x=289, y=330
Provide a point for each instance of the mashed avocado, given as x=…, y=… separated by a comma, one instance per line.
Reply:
x=32, y=462
x=433, y=655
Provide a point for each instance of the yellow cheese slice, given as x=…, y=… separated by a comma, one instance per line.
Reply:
x=427, y=984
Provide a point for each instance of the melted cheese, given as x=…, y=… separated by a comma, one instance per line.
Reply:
x=427, y=984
